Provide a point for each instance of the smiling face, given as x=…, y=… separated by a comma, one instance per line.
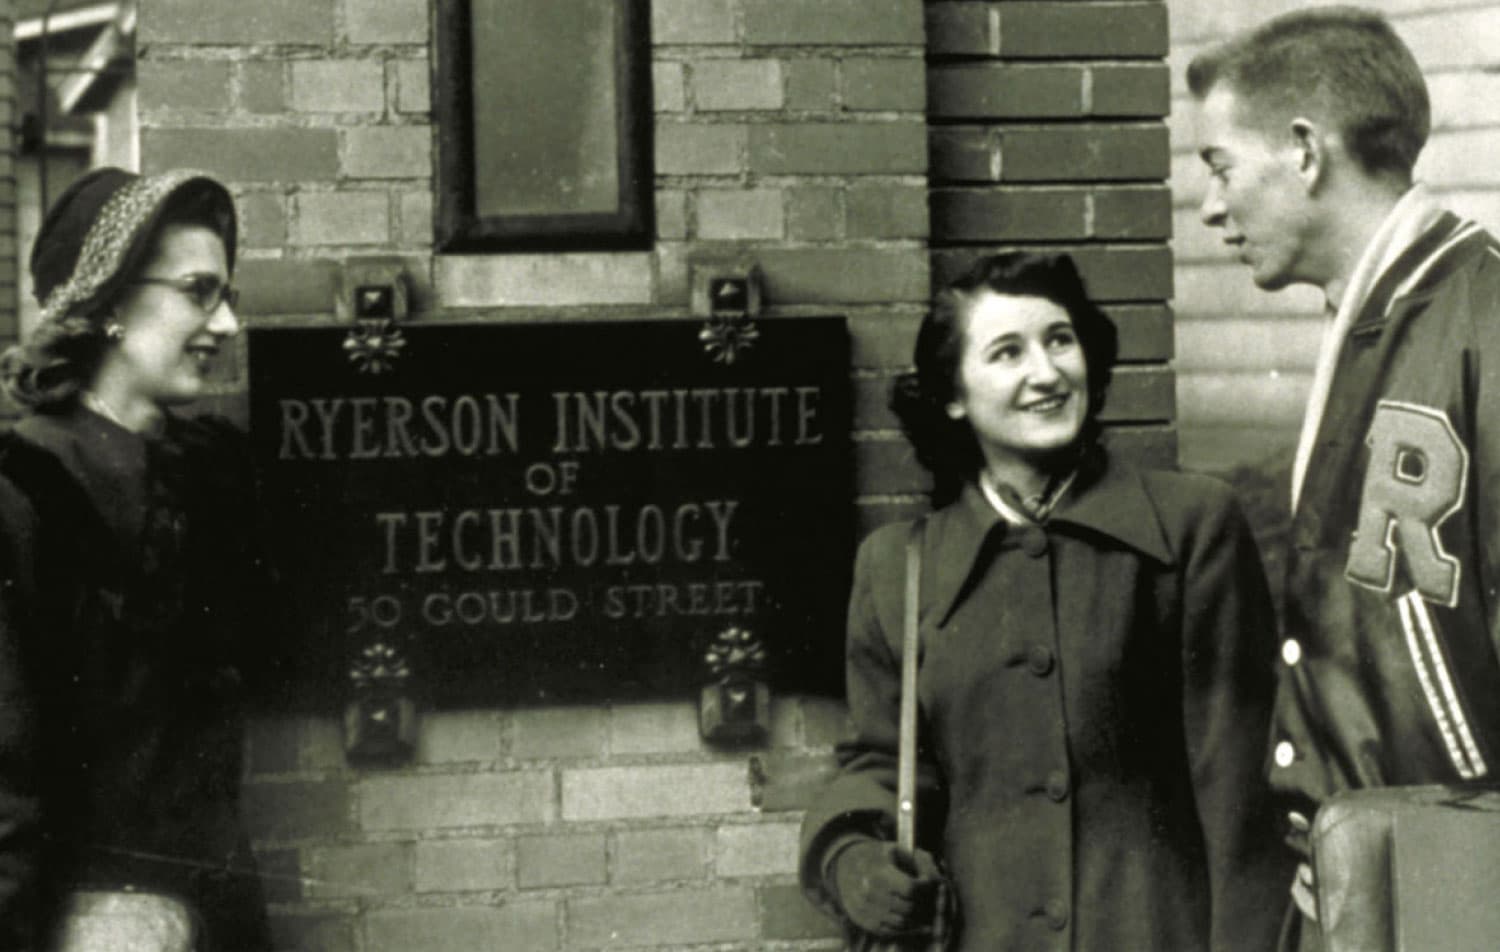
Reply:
x=169, y=342
x=1256, y=194
x=1022, y=380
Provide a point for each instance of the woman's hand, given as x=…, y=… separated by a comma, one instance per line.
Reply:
x=883, y=893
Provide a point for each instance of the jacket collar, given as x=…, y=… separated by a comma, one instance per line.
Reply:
x=1108, y=498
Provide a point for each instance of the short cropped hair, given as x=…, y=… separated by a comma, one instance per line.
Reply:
x=946, y=447
x=1343, y=65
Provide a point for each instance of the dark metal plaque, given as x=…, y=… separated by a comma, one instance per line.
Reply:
x=533, y=512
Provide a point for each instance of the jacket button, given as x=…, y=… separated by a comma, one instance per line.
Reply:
x=1034, y=542
x=1057, y=914
x=1285, y=754
x=1039, y=660
x=1291, y=651
x=1057, y=785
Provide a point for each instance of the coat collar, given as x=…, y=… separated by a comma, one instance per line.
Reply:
x=1108, y=498
x=107, y=460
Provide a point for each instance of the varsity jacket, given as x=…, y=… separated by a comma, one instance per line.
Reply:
x=1389, y=669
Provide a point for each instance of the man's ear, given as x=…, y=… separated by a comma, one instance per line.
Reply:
x=1311, y=152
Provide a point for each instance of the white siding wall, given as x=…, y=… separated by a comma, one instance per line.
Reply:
x=1244, y=356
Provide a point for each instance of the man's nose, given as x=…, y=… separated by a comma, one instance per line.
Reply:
x=1212, y=212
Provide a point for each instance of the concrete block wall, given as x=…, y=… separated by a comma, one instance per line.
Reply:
x=791, y=131
x=1245, y=357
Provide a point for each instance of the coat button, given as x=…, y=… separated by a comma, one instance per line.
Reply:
x=1291, y=651
x=1285, y=754
x=1039, y=660
x=1057, y=914
x=1057, y=785
x=1034, y=542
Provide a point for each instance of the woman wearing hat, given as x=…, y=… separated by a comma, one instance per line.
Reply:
x=1096, y=662
x=129, y=585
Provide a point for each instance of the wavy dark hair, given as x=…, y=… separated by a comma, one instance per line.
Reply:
x=947, y=447
x=58, y=360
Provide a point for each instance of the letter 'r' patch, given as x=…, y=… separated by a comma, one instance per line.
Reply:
x=1418, y=472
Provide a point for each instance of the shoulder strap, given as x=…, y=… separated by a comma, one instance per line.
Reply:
x=906, y=759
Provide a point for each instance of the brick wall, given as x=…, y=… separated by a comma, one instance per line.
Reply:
x=1047, y=133
x=1245, y=357
x=9, y=116
x=789, y=130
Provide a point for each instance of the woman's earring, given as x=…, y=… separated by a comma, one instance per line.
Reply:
x=113, y=332
x=955, y=411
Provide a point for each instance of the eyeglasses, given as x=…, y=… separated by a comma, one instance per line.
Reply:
x=204, y=290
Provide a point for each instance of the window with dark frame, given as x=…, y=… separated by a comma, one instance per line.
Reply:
x=544, y=125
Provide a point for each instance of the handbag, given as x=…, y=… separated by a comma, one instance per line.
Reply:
x=121, y=921
x=942, y=934
x=1409, y=869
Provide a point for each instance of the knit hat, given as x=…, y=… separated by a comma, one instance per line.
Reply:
x=99, y=231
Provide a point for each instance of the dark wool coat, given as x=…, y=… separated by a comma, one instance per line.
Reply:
x=1095, y=697
x=128, y=584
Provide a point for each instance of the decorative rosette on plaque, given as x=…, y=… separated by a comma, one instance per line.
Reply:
x=724, y=336
x=380, y=720
x=735, y=705
x=374, y=345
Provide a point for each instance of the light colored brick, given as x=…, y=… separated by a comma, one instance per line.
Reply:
x=814, y=213
x=341, y=218
x=885, y=84
x=686, y=917
x=838, y=148
x=416, y=218
x=183, y=84
x=887, y=211
x=844, y=275
x=698, y=149
x=573, y=859
x=245, y=155
x=725, y=85
x=262, y=86
x=388, y=152
x=669, y=87
x=642, y=856
x=338, y=86
x=544, y=733
x=834, y=22
x=692, y=21
x=465, y=865
x=740, y=214
x=458, y=736
x=654, y=729
x=672, y=258
x=262, y=219
x=237, y=22
x=760, y=849
x=358, y=870
x=413, y=86
x=811, y=84
x=436, y=802
x=544, y=279
x=523, y=926
x=671, y=214
x=607, y=793
x=386, y=21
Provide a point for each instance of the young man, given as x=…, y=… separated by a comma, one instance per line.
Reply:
x=1310, y=126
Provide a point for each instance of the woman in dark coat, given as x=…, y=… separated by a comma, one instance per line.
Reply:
x=129, y=585
x=1096, y=664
